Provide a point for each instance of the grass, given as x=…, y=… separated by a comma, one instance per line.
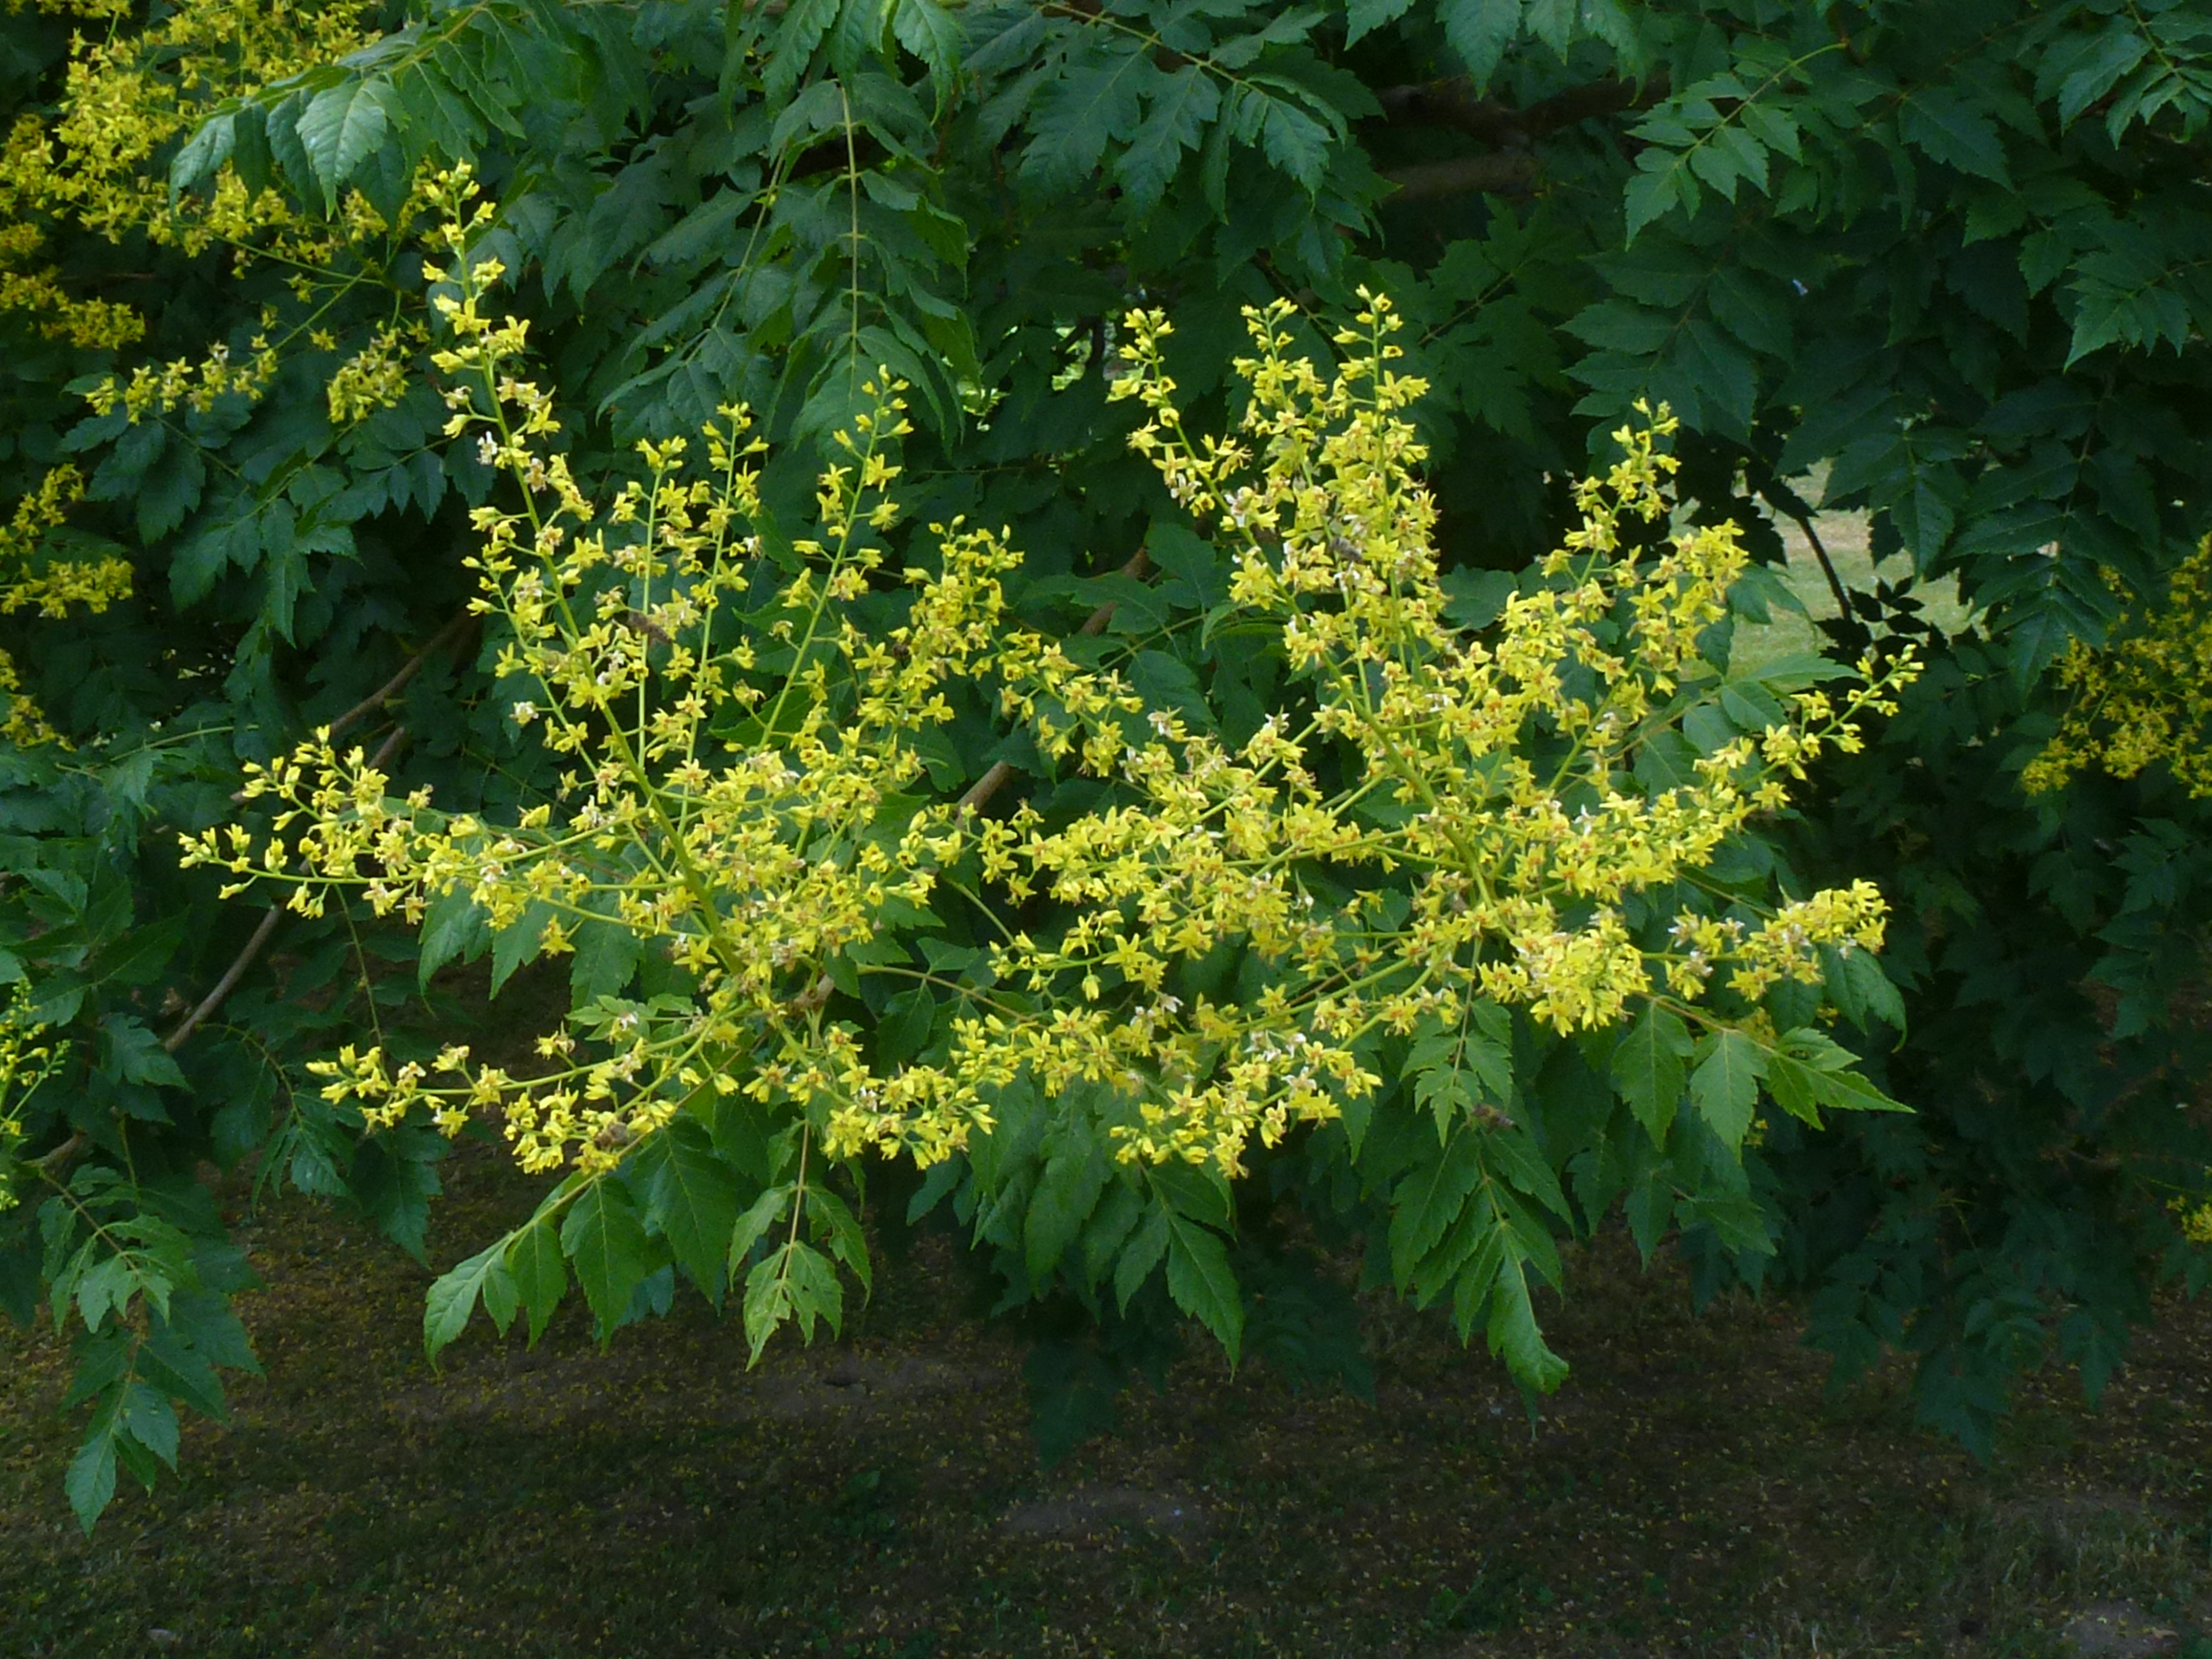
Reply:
x=1691, y=1491
x=1844, y=537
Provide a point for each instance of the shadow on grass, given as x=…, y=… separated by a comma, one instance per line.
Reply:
x=1689, y=1492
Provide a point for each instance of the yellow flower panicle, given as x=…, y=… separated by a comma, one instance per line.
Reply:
x=1495, y=778
x=746, y=795
x=28, y=1058
x=2146, y=698
x=129, y=89
x=49, y=585
x=751, y=862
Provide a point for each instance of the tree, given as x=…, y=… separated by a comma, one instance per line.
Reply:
x=1946, y=257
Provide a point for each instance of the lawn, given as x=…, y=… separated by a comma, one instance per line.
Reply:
x=1692, y=1489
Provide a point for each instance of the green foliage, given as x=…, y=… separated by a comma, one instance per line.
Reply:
x=1945, y=255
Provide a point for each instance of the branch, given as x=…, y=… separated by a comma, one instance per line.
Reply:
x=54, y=1162
x=1804, y=522
x=226, y=985
x=450, y=633
x=992, y=782
x=1512, y=167
x=1453, y=103
x=384, y=749
x=1502, y=173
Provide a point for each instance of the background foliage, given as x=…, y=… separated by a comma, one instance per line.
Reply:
x=1946, y=258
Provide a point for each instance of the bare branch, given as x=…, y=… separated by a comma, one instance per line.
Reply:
x=1502, y=173
x=1513, y=167
x=226, y=985
x=451, y=633
x=61, y=1156
x=1453, y=103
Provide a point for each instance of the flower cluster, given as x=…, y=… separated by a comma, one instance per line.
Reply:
x=49, y=585
x=28, y=1058
x=1439, y=822
x=734, y=795
x=2144, y=699
x=156, y=389
x=1492, y=786
x=377, y=375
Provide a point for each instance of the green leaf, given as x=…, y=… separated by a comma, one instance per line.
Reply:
x=692, y=1201
x=1794, y=1089
x=1198, y=1191
x=519, y=942
x=605, y=1240
x=1477, y=598
x=91, y=1482
x=1175, y=121
x=836, y=1225
x=1076, y=1172
x=1478, y=31
x=1512, y=1155
x=1140, y=1255
x=539, y=1272
x=454, y=926
x=815, y=1291
x=340, y=127
x=607, y=956
x=1082, y=112
x=1427, y=1201
x=794, y=1283
x=767, y=1302
x=1365, y=16
x=797, y=35
x=1202, y=1283
x=2095, y=71
x=750, y=1228
x=1848, y=1092
x=1296, y=142
x=453, y=1296
x=1189, y=558
x=203, y=155
x=151, y=1421
x=131, y=1054
x=1945, y=127
x=1495, y=1282
x=1648, y=1070
x=930, y=33
x=1107, y=1230
x=1724, y=1087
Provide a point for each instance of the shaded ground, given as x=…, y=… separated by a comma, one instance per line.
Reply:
x=1689, y=1492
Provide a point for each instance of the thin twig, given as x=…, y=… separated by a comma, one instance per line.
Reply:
x=61, y=1156
x=384, y=749
x=450, y=633
x=1513, y=167
x=1804, y=522
x=226, y=984
x=984, y=787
